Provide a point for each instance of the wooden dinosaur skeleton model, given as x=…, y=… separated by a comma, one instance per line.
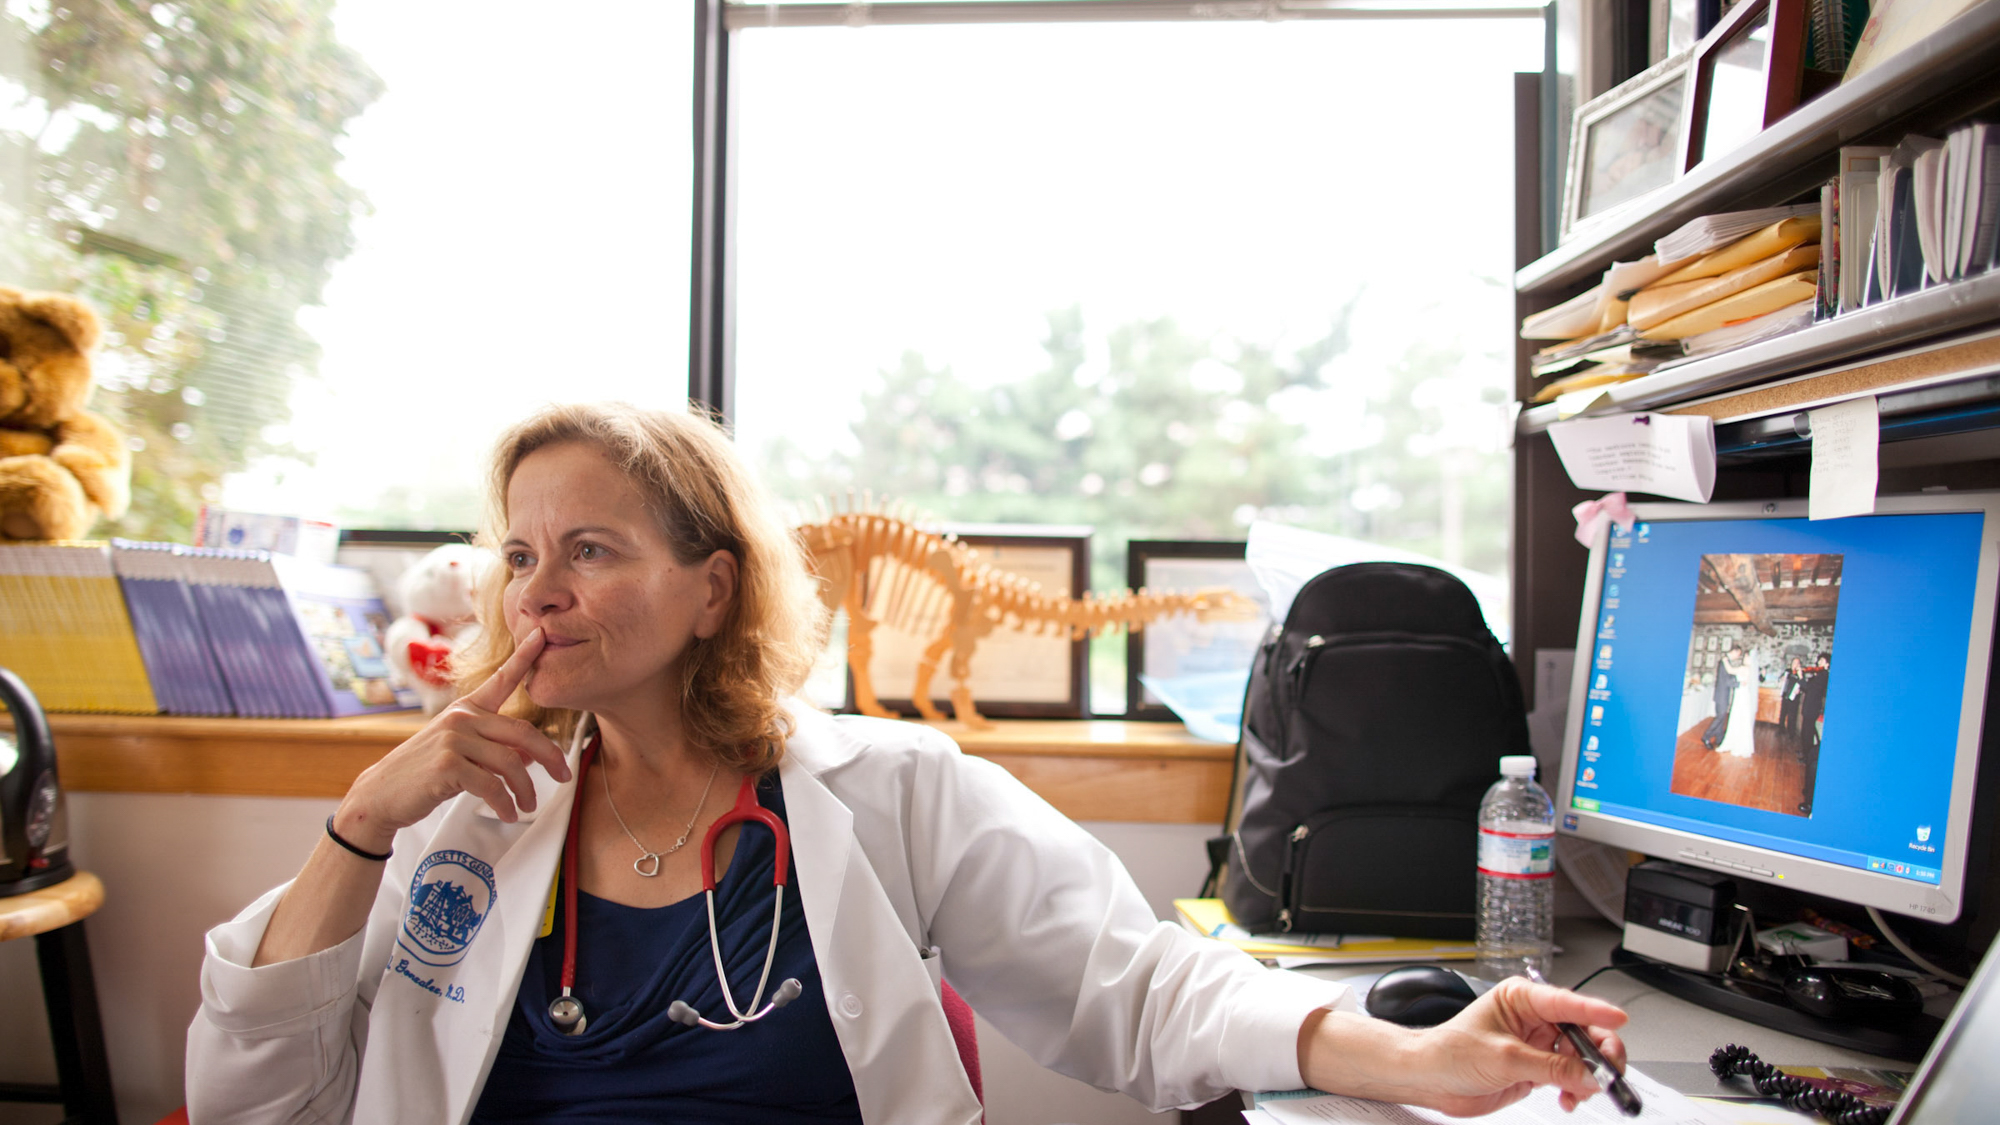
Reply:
x=874, y=561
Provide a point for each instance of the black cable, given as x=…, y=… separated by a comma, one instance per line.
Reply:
x=1837, y=1106
x=1578, y=986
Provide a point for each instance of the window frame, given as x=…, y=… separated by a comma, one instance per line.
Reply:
x=712, y=289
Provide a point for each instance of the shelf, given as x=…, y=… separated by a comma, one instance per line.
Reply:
x=1091, y=770
x=1958, y=311
x=1965, y=406
x=1783, y=161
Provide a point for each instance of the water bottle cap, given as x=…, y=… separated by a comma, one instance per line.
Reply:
x=1517, y=765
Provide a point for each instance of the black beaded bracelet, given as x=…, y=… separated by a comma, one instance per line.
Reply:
x=350, y=847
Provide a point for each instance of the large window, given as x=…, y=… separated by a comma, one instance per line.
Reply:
x=1162, y=279
x=340, y=245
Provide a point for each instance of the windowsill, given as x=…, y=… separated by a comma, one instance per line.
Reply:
x=1104, y=769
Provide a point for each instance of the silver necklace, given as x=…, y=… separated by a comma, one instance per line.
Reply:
x=648, y=863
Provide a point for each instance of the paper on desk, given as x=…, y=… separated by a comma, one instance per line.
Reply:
x=1846, y=443
x=1539, y=1108
x=1664, y=454
x=1210, y=704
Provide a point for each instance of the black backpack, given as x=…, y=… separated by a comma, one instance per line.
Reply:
x=1374, y=722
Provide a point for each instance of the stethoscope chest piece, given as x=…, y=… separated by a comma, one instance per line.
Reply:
x=566, y=1012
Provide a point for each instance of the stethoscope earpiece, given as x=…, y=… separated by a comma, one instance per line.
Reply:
x=680, y=1011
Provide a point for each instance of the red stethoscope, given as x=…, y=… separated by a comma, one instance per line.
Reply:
x=566, y=1011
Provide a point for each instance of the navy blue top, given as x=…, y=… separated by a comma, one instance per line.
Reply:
x=632, y=1063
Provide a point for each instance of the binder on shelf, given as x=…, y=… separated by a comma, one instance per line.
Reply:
x=65, y=631
x=295, y=639
x=170, y=635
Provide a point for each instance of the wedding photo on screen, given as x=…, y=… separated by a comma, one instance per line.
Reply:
x=1754, y=695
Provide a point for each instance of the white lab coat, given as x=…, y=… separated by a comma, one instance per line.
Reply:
x=902, y=846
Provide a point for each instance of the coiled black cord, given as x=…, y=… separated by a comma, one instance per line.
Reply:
x=1837, y=1106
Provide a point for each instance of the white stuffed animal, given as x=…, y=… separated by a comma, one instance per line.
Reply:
x=437, y=618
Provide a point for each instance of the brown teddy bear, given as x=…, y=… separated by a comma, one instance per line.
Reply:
x=61, y=466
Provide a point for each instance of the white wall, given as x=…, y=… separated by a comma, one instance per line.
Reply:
x=175, y=865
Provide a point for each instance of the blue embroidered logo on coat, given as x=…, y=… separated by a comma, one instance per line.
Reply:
x=450, y=896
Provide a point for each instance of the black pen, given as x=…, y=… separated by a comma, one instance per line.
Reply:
x=1609, y=1080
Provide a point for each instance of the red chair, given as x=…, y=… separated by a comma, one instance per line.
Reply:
x=958, y=1014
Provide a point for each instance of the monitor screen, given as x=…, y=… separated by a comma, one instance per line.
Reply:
x=1792, y=700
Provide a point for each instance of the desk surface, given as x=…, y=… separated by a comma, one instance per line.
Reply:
x=1663, y=1028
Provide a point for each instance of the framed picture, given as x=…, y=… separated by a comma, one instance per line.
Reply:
x=1016, y=673
x=387, y=554
x=1745, y=76
x=1626, y=143
x=1181, y=645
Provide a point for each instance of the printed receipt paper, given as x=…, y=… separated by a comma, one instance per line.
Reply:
x=1539, y=1108
x=1669, y=455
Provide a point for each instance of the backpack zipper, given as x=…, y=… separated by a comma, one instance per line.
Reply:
x=1296, y=839
x=1295, y=676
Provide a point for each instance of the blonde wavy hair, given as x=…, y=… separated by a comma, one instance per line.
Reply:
x=704, y=500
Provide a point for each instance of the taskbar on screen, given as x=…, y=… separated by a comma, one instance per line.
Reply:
x=1860, y=861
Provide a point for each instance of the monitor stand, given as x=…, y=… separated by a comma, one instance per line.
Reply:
x=1905, y=1038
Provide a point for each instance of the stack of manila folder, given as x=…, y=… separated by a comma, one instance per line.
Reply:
x=1775, y=268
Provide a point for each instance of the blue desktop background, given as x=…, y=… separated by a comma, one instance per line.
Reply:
x=1893, y=702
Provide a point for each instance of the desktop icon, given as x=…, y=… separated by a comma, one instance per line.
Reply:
x=1591, y=744
x=1604, y=653
x=1608, y=619
x=1923, y=833
x=1604, y=681
x=1597, y=714
x=1618, y=560
x=1612, y=592
x=1589, y=774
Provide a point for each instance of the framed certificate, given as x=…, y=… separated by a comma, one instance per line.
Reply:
x=1017, y=673
x=1183, y=645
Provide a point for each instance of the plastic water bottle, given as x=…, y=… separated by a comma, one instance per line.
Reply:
x=1517, y=872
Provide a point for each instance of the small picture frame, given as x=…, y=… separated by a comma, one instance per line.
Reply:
x=386, y=554
x=1181, y=644
x=1016, y=674
x=1744, y=76
x=1626, y=143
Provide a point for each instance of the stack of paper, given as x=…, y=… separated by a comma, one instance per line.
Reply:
x=1699, y=236
x=1309, y=1107
x=1209, y=918
x=1775, y=267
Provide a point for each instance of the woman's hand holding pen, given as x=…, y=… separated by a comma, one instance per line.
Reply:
x=469, y=747
x=1490, y=1055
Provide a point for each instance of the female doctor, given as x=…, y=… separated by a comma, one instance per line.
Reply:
x=506, y=918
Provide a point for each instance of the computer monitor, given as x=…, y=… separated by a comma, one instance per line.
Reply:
x=1788, y=700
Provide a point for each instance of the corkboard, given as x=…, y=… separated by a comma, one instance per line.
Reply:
x=1973, y=357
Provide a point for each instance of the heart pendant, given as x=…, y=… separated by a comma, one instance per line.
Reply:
x=641, y=864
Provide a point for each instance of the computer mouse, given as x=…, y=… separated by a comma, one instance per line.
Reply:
x=1843, y=992
x=1419, y=995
